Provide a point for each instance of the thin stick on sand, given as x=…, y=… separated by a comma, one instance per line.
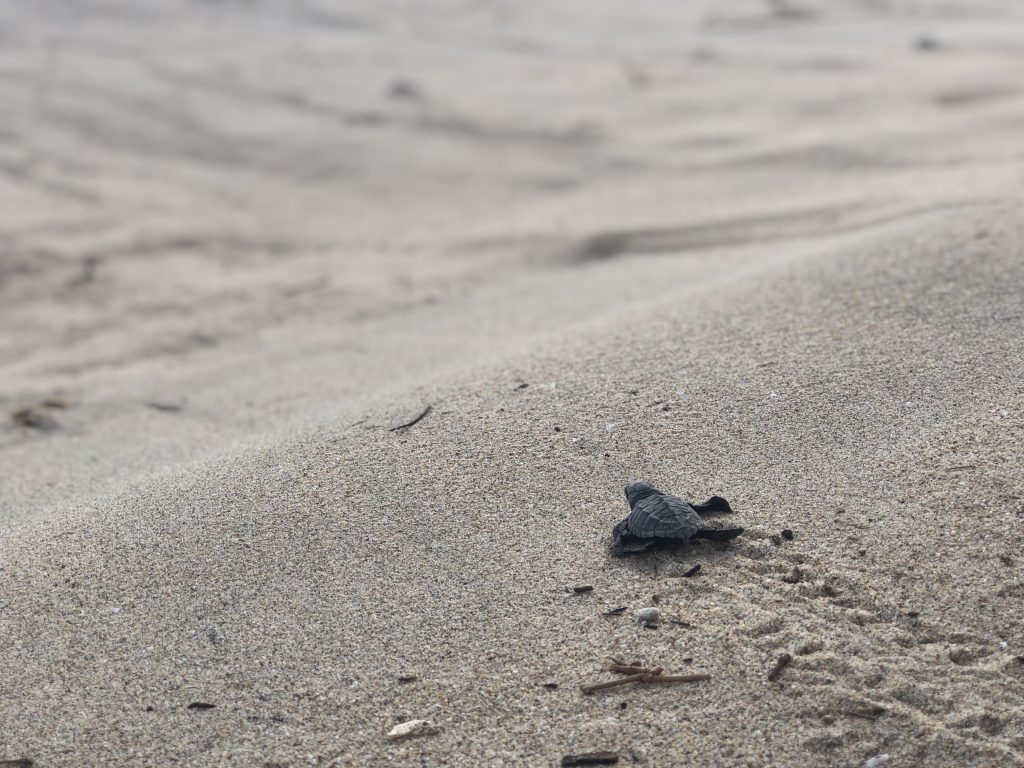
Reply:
x=637, y=674
x=588, y=689
x=415, y=421
x=694, y=678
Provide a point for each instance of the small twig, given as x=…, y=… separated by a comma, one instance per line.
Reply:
x=866, y=713
x=641, y=675
x=961, y=466
x=591, y=758
x=861, y=715
x=165, y=407
x=780, y=665
x=415, y=421
x=692, y=571
x=582, y=589
x=623, y=662
x=694, y=678
x=629, y=669
x=593, y=687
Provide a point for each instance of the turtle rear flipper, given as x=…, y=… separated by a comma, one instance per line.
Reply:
x=625, y=543
x=718, y=534
x=630, y=545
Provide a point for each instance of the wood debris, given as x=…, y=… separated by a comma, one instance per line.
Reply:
x=635, y=673
x=780, y=665
x=591, y=758
x=415, y=421
x=867, y=712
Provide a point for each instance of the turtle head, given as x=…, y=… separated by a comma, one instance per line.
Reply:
x=714, y=504
x=718, y=504
x=637, y=491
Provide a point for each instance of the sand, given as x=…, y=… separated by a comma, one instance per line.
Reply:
x=768, y=251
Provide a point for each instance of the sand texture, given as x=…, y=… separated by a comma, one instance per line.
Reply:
x=772, y=251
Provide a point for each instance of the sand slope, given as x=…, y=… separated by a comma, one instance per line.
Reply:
x=770, y=254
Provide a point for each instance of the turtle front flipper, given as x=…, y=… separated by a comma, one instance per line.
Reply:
x=718, y=534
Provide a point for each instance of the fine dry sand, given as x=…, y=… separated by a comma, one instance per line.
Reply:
x=772, y=251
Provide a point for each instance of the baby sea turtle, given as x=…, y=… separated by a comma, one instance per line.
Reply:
x=658, y=519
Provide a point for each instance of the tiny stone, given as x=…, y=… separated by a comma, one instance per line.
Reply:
x=34, y=418
x=877, y=761
x=411, y=728
x=776, y=539
x=787, y=534
x=648, y=617
x=403, y=89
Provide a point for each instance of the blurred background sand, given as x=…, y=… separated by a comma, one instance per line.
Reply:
x=772, y=251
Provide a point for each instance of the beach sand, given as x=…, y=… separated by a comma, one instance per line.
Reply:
x=772, y=252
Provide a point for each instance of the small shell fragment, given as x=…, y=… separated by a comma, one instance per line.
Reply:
x=877, y=761
x=411, y=728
